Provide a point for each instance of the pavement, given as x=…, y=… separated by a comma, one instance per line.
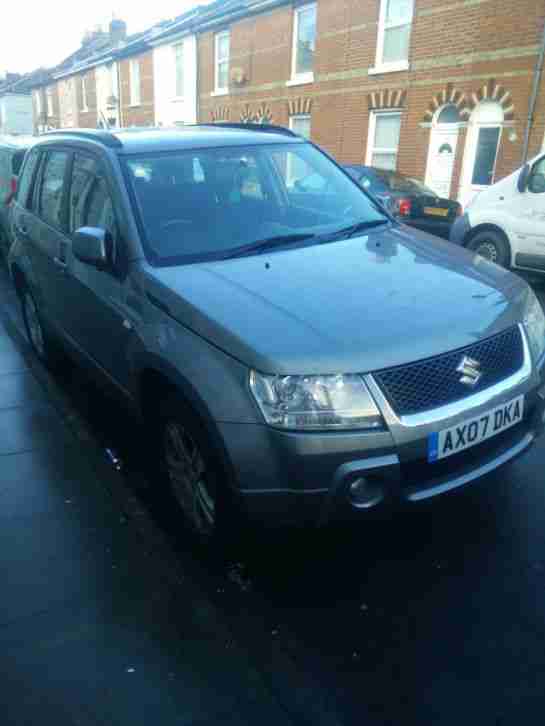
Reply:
x=109, y=615
x=95, y=628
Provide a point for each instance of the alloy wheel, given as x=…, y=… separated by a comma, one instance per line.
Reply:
x=188, y=477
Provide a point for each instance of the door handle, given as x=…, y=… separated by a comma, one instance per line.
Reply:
x=61, y=264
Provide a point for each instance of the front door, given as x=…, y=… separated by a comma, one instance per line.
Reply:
x=480, y=162
x=98, y=323
x=441, y=155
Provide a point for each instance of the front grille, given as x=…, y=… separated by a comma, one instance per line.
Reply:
x=435, y=382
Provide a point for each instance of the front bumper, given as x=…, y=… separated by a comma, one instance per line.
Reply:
x=306, y=478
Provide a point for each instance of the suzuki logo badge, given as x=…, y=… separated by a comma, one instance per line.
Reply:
x=470, y=370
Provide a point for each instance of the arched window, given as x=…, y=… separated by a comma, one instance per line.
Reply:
x=448, y=115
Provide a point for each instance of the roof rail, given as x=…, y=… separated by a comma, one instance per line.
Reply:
x=271, y=128
x=102, y=137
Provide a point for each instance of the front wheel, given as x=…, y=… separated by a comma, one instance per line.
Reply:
x=192, y=470
x=492, y=246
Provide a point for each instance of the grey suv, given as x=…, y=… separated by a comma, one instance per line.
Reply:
x=297, y=355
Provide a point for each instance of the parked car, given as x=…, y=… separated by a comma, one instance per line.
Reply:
x=506, y=222
x=297, y=356
x=408, y=199
x=12, y=152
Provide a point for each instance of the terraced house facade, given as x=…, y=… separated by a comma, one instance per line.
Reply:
x=438, y=90
x=446, y=91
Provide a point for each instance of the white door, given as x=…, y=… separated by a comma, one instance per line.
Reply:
x=441, y=155
x=483, y=141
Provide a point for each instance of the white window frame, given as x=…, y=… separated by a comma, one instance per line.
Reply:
x=174, y=53
x=218, y=90
x=49, y=101
x=371, y=149
x=39, y=101
x=300, y=117
x=299, y=79
x=135, y=90
x=84, y=106
x=380, y=66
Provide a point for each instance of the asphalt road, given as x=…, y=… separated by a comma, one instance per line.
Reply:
x=436, y=616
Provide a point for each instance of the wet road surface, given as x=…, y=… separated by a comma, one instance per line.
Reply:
x=436, y=616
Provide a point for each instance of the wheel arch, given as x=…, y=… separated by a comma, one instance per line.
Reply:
x=155, y=380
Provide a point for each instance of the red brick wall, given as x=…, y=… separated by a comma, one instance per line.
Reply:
x=87, y=119
x=143, y=114
x=447, y=46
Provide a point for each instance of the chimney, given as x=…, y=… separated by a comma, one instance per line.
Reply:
x=118, y=31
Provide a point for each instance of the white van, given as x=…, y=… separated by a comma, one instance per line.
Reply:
x=506, y=222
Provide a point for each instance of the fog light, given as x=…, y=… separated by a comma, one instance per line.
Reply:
x=364, y=494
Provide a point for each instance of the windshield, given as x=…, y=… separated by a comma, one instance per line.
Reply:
x=203, y=203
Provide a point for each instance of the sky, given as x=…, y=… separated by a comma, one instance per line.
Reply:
x=36, y=33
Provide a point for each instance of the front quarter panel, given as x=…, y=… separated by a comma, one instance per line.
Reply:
x=213, y=381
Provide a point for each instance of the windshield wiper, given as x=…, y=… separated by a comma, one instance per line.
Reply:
x=264, y=245
x=347, y=232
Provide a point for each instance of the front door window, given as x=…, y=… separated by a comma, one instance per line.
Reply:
x=485, y=158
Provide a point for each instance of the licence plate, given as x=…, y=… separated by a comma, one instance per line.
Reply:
x=474, y=431
x=436, y=211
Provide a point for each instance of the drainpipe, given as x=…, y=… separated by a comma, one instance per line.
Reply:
x=533, y=98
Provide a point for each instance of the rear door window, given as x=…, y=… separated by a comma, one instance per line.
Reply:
x=50, y=204
x=26, y=179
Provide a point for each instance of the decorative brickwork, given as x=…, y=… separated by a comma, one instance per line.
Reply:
x=220, y=113
x=450, y=94
x=389, y=98
x=493, y=91
x=299, y=106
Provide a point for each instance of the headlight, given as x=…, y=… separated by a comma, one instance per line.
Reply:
x=315, y=402
x=534, y=323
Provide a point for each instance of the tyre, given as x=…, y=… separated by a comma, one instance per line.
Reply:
x=193, y=470
x=45, y=348
x=492, y=246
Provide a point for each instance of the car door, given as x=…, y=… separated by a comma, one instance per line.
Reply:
x=44, y=225
x=529, y=219
x=99, y=322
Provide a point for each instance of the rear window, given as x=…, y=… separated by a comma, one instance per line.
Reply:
x=397, y=183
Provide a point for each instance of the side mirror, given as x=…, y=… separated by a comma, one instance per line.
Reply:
x=90, y=246
x=523, y=178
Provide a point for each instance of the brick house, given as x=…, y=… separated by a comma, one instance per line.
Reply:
x=439, y=91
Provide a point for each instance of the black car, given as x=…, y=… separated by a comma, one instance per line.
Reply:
x=411, y=201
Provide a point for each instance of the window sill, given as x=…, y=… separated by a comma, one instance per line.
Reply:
x=301, y=80
x=389, y=68
x=134, y=105
x=84, y=110
x=221, y=92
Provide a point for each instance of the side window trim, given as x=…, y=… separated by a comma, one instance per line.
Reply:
x=63, y=229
